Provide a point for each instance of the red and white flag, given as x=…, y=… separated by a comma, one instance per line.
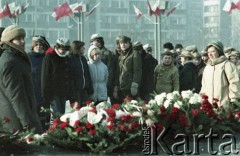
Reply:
x=5, y=12
x=156, y=8
x=229, y=6
x=20, y=9
x=172, y=9
x=93, y=9
x=137, y=11
x=150, y=11
x=76, y=7
x=61, y=11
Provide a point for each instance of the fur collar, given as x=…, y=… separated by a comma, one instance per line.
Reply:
x=18, y=49
x=217, y=61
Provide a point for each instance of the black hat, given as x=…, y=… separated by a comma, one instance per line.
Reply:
x=124, y=39
x=168, y=45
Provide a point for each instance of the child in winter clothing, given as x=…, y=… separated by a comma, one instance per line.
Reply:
x=99, y=74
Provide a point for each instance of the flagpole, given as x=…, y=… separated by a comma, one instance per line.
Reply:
x=159, y=37
x=82, y=35
x=156, y=37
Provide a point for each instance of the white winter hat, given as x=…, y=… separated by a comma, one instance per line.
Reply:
x=147, y=47
x=63, y=42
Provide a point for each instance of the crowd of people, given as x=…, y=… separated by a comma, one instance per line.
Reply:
x=48, y=76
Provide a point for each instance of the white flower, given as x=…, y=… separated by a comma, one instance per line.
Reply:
x=119, y=113
x=134, y=102
x=175, y=93
x=94, y=118
x=73, y=118
x=177, y=104
x=160, y=98
x=167, y=103
x=195, y=99
x=149, y=122
x=83, y=111
x=170, y=96
x=186, y=94
x=150, y=112
x=102, y=105
x=148, y=105
x=65, y=117
x=151, y=102
x=137, y=114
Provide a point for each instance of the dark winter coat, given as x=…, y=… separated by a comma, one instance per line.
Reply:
x=57, y=76
x=200, y=69
x=130, y=67
x=147, y=81
x=36, y=59
x=187, y=76
x=81, y=75
x=17, y=100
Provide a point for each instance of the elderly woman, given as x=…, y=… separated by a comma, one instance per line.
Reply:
x=220, y=77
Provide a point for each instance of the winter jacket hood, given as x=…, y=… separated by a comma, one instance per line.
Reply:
x=89, y=54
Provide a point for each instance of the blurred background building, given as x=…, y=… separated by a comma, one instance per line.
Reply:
x=193, y=22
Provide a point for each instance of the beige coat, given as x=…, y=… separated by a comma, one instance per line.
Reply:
x=166, y=78
x=221, y=81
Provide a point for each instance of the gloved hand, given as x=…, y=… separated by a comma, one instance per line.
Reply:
x=115, y=92
x=134, y=88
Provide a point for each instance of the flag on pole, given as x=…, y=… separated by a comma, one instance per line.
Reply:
x=76, y=7
x=20, y=9
x=229, y=6
x=61, y=11
x=93, y=9
x=172, y=9
x=5, y=12
x=137, y=11
x=156, y=8
x=150, y=11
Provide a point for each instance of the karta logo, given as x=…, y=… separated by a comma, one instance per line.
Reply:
x=183, y=144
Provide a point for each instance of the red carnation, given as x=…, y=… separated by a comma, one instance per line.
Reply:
x=205, y=97
x=88, y=125
x=215, y=105
x=162, y=108
x=215, y=100
x=72, y=104
x=110, y=119
x=30, y=139
x=92, y=132
x=6, y=119
x=77, y=123
x=175, y=110
x=134, y=125
x=127, y=99
x=79, y=129
x=111, y=112
x=115, y=106
x=125, y=118
x=182, y=117
x=78, y=107
x=88, y=102
x=110, y=127
x=194, y=112
x=230, y=116
x=237, y=115
x=122, y=127
x=63, y=125
x=172, y=116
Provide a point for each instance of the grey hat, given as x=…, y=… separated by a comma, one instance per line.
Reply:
x=218, y=45
x=12, y=32
x=192, y=48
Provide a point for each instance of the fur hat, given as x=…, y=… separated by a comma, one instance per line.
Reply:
x=42, y=39
x=12, y=32
x=218, y=45
x=192, y=48
x=234, y=53
x=124, y=39
x=186, y=53
x=178, y=46
x=229, y=49
x=1, y=30
x=63, y=42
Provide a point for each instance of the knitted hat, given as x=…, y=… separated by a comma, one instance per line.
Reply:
x=186, y=53
x=12, y=32
x=218, y=45
x=124, y=39
x=63, y=42
x=42, y=39
x=192, y=48
x=95, y=36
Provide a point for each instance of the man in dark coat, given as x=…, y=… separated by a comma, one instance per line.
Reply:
x=130, y=67
x=187, y=76
x=148, y=65
x=17, y=100
x=56, y=78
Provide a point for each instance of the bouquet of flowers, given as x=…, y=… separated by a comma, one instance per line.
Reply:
x=100, y=128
